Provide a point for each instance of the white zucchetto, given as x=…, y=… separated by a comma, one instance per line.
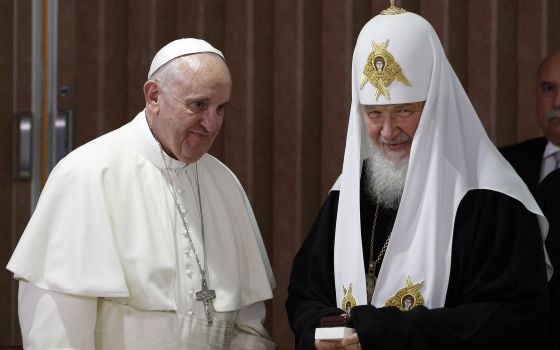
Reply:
x=180, y=47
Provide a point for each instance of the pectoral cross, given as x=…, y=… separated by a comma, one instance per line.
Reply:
x=371, y=281
x=206, y=295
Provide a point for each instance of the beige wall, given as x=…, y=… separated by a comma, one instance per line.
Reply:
x=290, y=60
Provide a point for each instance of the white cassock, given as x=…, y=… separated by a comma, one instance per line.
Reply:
x=104, y=262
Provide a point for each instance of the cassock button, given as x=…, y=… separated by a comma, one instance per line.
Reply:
x=191, y=292
x=188, y=272
x=189, y=313
x=179, y=190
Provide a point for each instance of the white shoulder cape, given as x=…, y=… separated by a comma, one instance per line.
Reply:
x=101, y=228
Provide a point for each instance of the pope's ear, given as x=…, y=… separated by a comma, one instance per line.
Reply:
x=151, y=94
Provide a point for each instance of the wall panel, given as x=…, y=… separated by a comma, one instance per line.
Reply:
x=456, y=34
x=506, y=72
x=482, y=61
x=336, y=57
x=15, y=67
x=530, y=53
x=289, y=73
x=6, y=193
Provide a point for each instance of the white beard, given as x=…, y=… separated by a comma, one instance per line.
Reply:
x=385, y=176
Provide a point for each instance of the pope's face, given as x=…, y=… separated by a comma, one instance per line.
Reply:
x=548, y=98
x=187, y=114
x=392, y=127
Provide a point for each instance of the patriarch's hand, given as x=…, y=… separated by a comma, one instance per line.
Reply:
x=351, y=342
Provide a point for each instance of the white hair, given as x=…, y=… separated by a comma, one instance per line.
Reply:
x=167, y=74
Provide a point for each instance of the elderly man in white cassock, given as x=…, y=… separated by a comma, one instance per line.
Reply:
x=429, y=238
x=142, y=240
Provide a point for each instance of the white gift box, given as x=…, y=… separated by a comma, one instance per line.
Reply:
x=333, y=333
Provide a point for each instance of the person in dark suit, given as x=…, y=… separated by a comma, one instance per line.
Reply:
x=534, y=159
x=537, y=161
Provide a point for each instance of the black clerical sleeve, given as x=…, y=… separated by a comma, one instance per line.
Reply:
x=497, y=293
x=311, y=293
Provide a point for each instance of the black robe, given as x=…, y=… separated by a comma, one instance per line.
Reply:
x=497, y=292
x=548, y=196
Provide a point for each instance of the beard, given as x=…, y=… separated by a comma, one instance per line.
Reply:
x=386, y=173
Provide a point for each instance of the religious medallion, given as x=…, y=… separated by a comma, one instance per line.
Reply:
x=371, y=281
x=381, y=70
x=407, y=297
x=348, y=301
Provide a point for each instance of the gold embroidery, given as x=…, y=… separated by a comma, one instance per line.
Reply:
x=393, y=10
x=348, y=301
x=407, y=297
x=381, y=70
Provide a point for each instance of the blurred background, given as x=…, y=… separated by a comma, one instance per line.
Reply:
x=73, y=70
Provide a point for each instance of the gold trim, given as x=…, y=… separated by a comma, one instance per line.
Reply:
x=393, y=10
x=407, y=297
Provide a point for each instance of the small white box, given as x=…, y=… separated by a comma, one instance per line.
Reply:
x=333, y=333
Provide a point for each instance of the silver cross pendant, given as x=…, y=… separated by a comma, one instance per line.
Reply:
x=206, y=295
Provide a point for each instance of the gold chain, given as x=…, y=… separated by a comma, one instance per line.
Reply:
x=370, y=275
x=384, y=248
x=373, y=233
